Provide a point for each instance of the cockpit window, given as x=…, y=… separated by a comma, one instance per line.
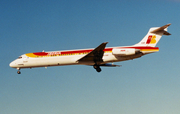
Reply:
x=20, y=57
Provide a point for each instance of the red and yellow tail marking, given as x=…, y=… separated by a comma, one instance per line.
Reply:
x=151, y=39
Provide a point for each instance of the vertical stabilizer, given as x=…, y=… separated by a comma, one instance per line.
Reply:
x=153, y=36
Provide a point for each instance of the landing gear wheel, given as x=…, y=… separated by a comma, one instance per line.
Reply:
x=97, y=67
x=18, y=72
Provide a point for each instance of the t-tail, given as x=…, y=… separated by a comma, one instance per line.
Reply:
x=153, y=36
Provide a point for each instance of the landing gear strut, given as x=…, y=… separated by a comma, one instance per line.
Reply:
x=97, y=67
x=19, y=72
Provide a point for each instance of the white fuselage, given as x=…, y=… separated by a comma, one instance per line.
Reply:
x=25, y=61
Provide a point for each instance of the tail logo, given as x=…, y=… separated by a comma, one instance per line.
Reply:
x=151, y=39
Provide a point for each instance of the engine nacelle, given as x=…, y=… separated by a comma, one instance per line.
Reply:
x=125, y=51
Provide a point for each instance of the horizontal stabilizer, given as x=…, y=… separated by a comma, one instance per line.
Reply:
x=162, y=29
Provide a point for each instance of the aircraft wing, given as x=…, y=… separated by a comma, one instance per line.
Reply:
x=95, y=55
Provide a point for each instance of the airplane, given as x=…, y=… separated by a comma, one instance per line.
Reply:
x=97, y=57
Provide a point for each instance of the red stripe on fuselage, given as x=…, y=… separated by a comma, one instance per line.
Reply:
x=84, y=51
x=41, y=53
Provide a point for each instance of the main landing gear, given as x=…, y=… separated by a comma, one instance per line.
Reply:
x=97, y=67
x=19, y=72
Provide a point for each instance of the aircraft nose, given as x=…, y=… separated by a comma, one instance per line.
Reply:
x=12, y=64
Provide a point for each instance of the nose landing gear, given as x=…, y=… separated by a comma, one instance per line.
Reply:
x=19, y=72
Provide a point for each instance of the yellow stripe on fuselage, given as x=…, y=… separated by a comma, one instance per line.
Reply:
x=30, y=55
x=149, y=50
